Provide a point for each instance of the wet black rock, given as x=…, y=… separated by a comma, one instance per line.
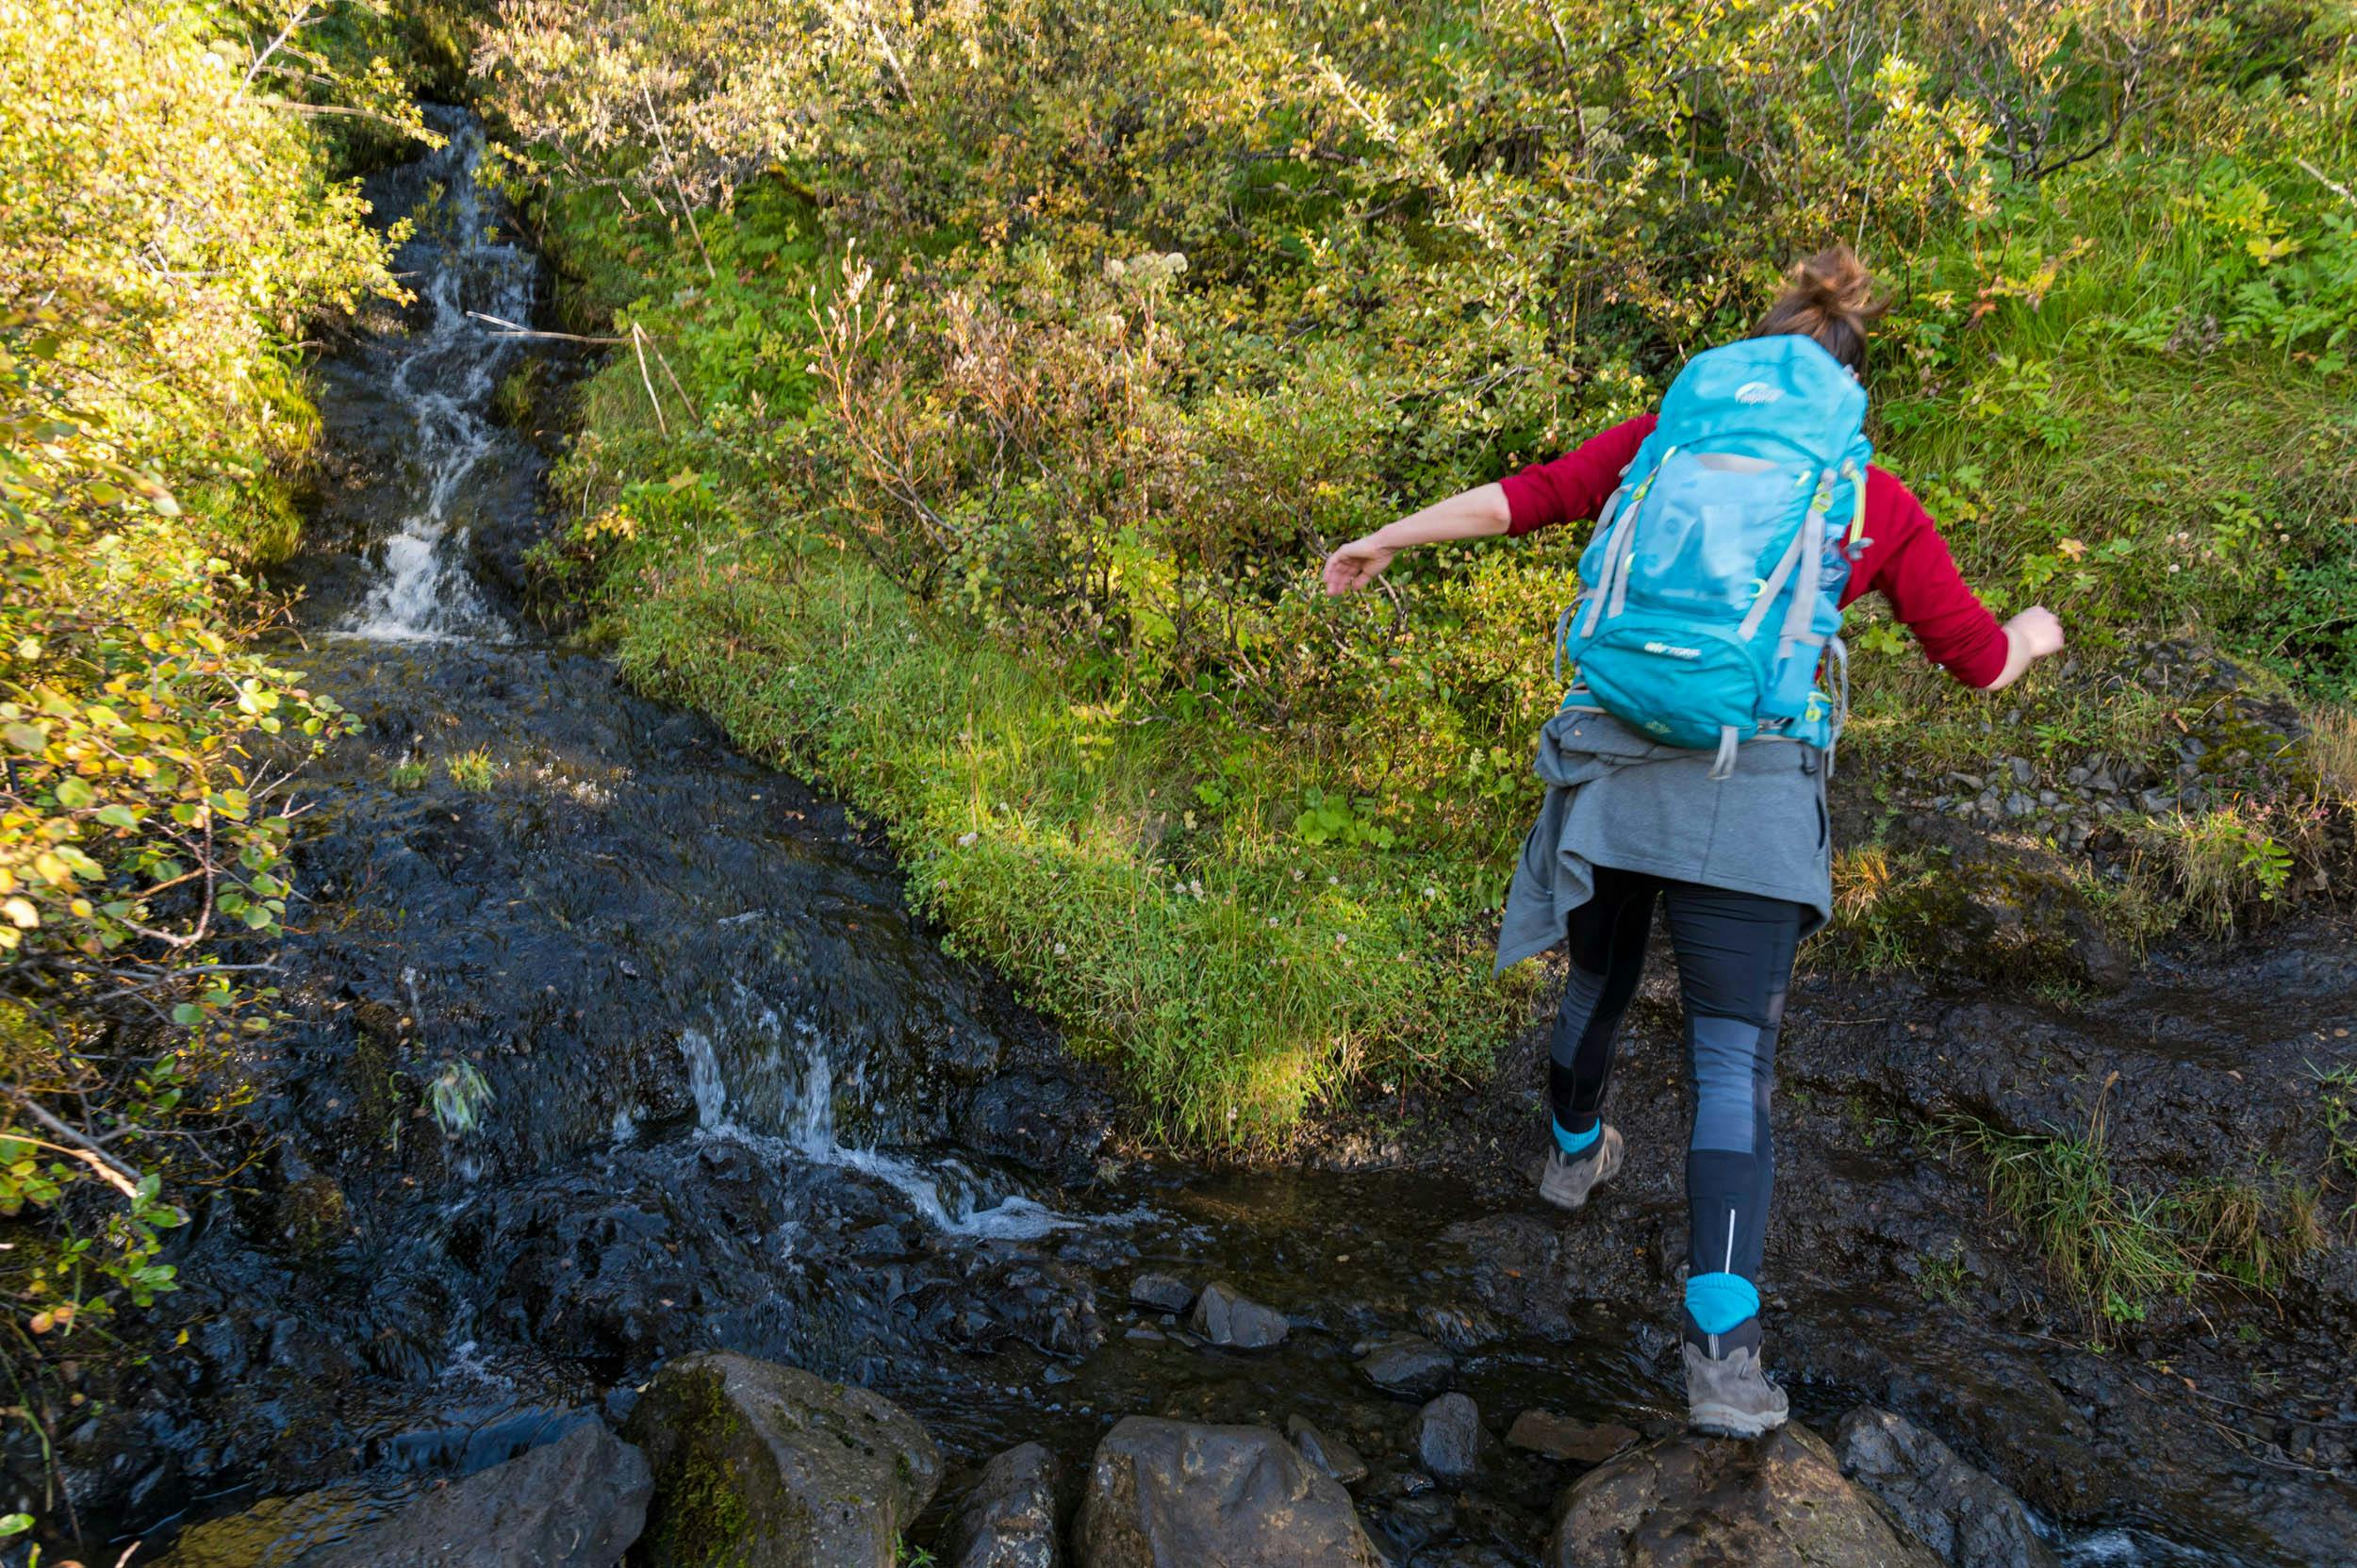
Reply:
x=1232, y=1321
x=1558, y=1437
x=1462, y=1330
x=777, y=1466
x=1048, y=1120
x=1964, y=1515
x=1176, y=1495
x=1698, y=1502
x=1164, y=1293
x=576, y=1503
x=1009, y=1518
x=311, y=1215
x=1409, y=1365
x=1418, y=1517
x=1449, y=1437
x=1329, y=1453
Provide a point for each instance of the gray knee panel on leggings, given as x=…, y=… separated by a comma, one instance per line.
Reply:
x=1726, y=1109
x=1582, y=991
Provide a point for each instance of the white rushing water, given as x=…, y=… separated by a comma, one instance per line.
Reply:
x=442, y=385
x=947, y=1196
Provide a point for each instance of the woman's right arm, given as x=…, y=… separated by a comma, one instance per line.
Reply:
x=1574, y=486
x=1473, y=514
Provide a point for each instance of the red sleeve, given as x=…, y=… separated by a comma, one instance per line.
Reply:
x=1906, y=559
x=1575, y=485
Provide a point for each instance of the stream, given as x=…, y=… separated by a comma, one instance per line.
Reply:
x=704, y=1081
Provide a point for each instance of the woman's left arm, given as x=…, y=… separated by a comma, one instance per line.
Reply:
x=1916, y=572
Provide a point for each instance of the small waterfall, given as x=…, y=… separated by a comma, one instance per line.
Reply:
x=443, y=383
x=948, y=1197
x=704, y=1082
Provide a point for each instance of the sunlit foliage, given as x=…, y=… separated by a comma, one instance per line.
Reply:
x=169, y=232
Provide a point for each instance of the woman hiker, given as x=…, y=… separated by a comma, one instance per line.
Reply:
x=1688, y=766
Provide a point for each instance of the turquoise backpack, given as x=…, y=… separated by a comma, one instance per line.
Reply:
x=1712, y=592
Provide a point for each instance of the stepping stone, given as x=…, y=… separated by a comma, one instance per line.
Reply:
x=1164, y=1293
x=1232, y=1322
x=1449, y=1437
x=1331, y=1454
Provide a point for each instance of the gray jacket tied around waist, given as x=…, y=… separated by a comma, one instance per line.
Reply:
x=1616, y=798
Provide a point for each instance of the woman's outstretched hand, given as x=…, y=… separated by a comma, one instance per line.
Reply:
x=2030, y=636
x=1475, y=514
x=1357, y=564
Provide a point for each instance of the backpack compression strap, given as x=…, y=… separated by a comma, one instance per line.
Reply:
x=1730, y=741
x=1613, y=585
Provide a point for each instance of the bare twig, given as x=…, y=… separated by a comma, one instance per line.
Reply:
x=2330, y=184
x=638, y=346
x=509, y=329
x=685, y=401
x=120, y=1176
x=293, y=24
x=670, y=166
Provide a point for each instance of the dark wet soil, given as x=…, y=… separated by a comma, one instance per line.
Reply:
x=705, y=1082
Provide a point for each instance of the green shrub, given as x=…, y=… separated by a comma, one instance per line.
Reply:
x=172, y=228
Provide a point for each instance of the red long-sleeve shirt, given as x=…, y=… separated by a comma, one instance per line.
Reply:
x=1903, y=554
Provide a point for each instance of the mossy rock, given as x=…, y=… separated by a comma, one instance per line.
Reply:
x=1999, y=916
x=758, y=1465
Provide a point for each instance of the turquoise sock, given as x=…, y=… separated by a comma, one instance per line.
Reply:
x=1717, y=1302
x=1577, y=1142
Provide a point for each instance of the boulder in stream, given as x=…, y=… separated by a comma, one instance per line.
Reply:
x=1009, y=1519
x=1407, y=1364
x=1690, y=1501
x=1178, y=1495
x=1164, y=1293
x=576, y=1503
x=1325, y=1450
x=760, y=1463
x=1962, y=1514
x=1227, y=1318
x=1049, y=1120
x=1449, y=1437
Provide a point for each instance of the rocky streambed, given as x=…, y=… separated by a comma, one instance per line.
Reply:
x=643, y=1183
x=723, y=1458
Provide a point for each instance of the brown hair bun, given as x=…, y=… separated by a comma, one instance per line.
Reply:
x=1832, y=298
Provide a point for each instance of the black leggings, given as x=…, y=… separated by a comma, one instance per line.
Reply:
x=1735, y=963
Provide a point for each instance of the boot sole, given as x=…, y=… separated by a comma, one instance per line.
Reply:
x=1726, y=1420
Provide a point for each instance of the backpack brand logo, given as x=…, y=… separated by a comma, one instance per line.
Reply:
x=1758, y=391
x=1674, y=650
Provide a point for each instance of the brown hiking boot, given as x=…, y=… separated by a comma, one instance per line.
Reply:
x=1568, y=1179
x=1730, y=1396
